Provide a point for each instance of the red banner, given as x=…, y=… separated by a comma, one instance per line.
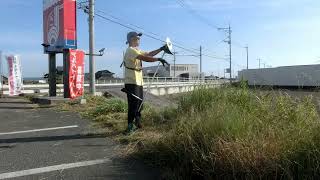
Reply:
x=76, y=73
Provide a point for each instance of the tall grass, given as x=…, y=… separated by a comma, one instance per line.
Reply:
x=112, y=113
x=237, y=133
x=222, y=133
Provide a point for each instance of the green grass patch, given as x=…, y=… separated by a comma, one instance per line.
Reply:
x=224, y=133
x=237, y=133
x=111, y=113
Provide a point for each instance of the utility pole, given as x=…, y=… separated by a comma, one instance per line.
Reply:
x=229, y=31
x=91, y=48
x=174, y=64
x=247, y=48
x=200, y=62
x=230, y=52
x=259, y=62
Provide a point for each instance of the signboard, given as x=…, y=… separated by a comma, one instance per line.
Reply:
x=228, y=70
x=76, y=73
x=15, y=75
x=59, y=25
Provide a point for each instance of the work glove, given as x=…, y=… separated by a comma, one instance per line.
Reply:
x=164, y=62
x=164, y=47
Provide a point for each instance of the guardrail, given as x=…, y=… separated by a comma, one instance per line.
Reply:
x=160, y=79
x=148, y=82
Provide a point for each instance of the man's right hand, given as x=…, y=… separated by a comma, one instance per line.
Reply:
x=164, y=62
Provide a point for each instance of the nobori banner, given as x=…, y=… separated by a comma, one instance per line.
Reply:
x=76, y=72
x=15, y=75
x=59, y=25
x=0, y=72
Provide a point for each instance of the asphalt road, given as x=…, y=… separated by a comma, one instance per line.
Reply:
x=40, y=143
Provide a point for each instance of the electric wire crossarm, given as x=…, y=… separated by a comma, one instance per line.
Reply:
x=101, y=53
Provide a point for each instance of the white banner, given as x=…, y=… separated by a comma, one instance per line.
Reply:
x=15, y=75
x=1, y=74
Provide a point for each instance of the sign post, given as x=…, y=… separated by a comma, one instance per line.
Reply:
x=59, y=35
x=52, y=75
x=66, y=64
x=59, y=25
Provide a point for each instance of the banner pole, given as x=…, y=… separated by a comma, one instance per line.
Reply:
x=52, y=75
x=66, y=64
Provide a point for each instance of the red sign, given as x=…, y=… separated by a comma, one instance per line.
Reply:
x=76, y=73
x=59, y=25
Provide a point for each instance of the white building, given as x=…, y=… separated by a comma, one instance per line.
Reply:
x=286, y=76
x=179, y=70
x=184, y=70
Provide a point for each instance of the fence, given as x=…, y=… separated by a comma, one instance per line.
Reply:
x=157, y=82
x=163, y=80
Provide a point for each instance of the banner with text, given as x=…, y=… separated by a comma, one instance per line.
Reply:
x=76, y=73
x=15, y=75
x=1, y=81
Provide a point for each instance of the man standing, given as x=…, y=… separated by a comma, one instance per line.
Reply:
x=134, y=77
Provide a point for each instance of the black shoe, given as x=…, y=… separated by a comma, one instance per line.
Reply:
x=138, y=124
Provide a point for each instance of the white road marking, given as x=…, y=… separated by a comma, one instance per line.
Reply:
x=38, y=130
x=52, y=168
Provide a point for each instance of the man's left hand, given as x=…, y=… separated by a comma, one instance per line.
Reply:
x=163, y=48
x=164, y=62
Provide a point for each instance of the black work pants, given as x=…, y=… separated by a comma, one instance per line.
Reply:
x=133, y=103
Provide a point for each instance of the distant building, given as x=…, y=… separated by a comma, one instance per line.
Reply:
x=162, y=71
x=59, y=77
x=4, y=80
x=59, y=70
x=104, y=74
x=101, y=75
x=34, y=80
x=299, y=76
x=179, y=70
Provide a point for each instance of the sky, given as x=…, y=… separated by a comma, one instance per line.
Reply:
x=279, y=32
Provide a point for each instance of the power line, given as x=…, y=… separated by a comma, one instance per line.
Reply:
x=149, y=35
x=216, y=44
x=204, y=20
x=195, y=14
x=128, y=26
x=139, y=27
x=214, y=57
x=145, y=34
x=238, y=44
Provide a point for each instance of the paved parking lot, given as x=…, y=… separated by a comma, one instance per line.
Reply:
x=40, y=143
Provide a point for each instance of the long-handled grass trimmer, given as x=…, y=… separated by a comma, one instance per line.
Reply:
x=167, y=50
